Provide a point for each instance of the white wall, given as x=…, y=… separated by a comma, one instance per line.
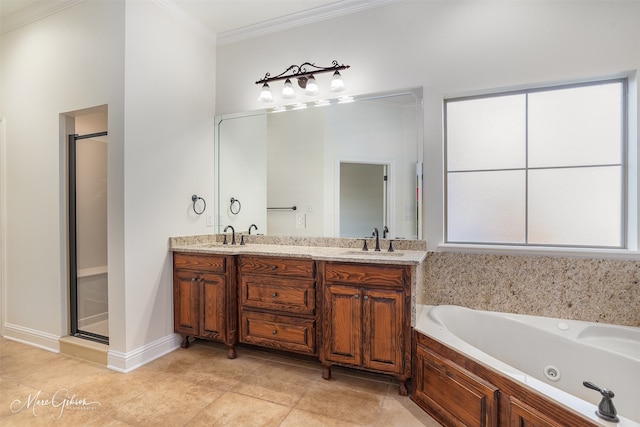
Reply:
x=158, y=84
x=447, y=47
x=169, y=154
x=65, y=62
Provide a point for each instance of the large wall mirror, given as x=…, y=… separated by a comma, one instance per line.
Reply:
x=334, y=170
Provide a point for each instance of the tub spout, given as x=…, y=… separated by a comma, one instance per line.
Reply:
x=606, y=410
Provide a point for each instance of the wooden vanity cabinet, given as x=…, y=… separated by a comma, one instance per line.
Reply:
x=366, y=318
x=204, y=298
x=278, y=303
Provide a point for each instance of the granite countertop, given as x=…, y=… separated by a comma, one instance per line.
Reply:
x=350, y=250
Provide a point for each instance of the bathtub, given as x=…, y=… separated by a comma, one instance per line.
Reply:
x=552, y=356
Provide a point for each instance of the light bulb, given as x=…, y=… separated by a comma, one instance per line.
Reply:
x=337, y=84
x=312, y=86
x=287, y=90
x=265, y=94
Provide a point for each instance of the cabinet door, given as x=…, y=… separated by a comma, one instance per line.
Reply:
x=186, y=297
x=383, y=332
x=522, y=415
x=343, y=324
x=213, y=313
x=451, y=394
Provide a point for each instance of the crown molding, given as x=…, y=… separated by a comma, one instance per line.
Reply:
x=33, y=13
x=299, y=19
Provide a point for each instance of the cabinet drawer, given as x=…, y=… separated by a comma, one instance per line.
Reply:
x=376, y=275
x=208, y=263
x=292, y=267
x=280, y=332
x=283, y=294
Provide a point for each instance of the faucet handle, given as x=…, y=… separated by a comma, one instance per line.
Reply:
x=364, y=247
x=603, y=391
x=390, y=246
x=224, y=242
x=606, y=409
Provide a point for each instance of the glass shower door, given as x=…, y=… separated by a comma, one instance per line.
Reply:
x=88, y=236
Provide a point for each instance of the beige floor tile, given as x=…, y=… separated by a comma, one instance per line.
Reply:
x=278, y=383
x=198, y=386
x=402, y=412
x=237, y=410
x=346, y=403
x=298, y=418
x=171, y=402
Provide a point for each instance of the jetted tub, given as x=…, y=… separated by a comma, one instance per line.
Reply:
x=553, y=356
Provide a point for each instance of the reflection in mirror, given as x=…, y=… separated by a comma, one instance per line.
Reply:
x=363, y=198
x=333, y=171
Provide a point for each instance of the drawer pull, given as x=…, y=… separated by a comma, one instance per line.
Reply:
x=275, y=294
x=274, y=332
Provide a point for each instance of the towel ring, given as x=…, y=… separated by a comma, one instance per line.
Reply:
x=234, y=202
x=194, y=199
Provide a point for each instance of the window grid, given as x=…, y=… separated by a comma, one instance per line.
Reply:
x=622, y=164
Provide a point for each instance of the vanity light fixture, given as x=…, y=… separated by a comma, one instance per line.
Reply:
x=304, y=73
x=265, y=94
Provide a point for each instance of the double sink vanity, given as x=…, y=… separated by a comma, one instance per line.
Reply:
x=321, y=297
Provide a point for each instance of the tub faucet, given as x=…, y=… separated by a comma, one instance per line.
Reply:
x=606, y=410
x=233, y=235
x=376, y=235
x=253, y=226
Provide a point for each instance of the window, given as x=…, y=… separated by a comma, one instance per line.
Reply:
x=537, y=167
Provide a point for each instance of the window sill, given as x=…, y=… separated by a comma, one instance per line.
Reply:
x=623, y=254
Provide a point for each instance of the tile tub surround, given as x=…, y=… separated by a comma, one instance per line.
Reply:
x=595, y=290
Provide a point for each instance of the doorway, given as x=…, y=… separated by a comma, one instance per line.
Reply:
x=88, y=265
x=363, y=198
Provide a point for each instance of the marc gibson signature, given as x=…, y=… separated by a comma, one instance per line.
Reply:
x=61, y=400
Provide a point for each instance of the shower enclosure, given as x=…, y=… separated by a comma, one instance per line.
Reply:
x=88, y=290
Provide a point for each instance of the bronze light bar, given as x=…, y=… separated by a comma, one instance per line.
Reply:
x=301, y=73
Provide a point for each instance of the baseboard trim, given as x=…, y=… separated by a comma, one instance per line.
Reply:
x=32, y=337
x=127, y=362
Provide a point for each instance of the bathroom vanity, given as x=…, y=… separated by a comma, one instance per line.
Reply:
x=342, y=306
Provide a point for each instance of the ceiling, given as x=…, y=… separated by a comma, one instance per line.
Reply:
x=220, y=17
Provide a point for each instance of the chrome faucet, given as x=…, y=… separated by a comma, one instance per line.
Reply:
x=606, y=410
x=376, y=235
x=253, y=226
x=385, y=231
x=233, y=235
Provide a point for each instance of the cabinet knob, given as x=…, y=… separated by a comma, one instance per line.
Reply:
x=356, y=296
x=275, y=294
x=273, y=267
x=193, y=279
x=365, y=297
x=274, y=332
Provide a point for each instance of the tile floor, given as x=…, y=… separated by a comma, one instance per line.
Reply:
x=197, y=386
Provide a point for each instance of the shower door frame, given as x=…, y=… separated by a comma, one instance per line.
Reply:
x=73, y=244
